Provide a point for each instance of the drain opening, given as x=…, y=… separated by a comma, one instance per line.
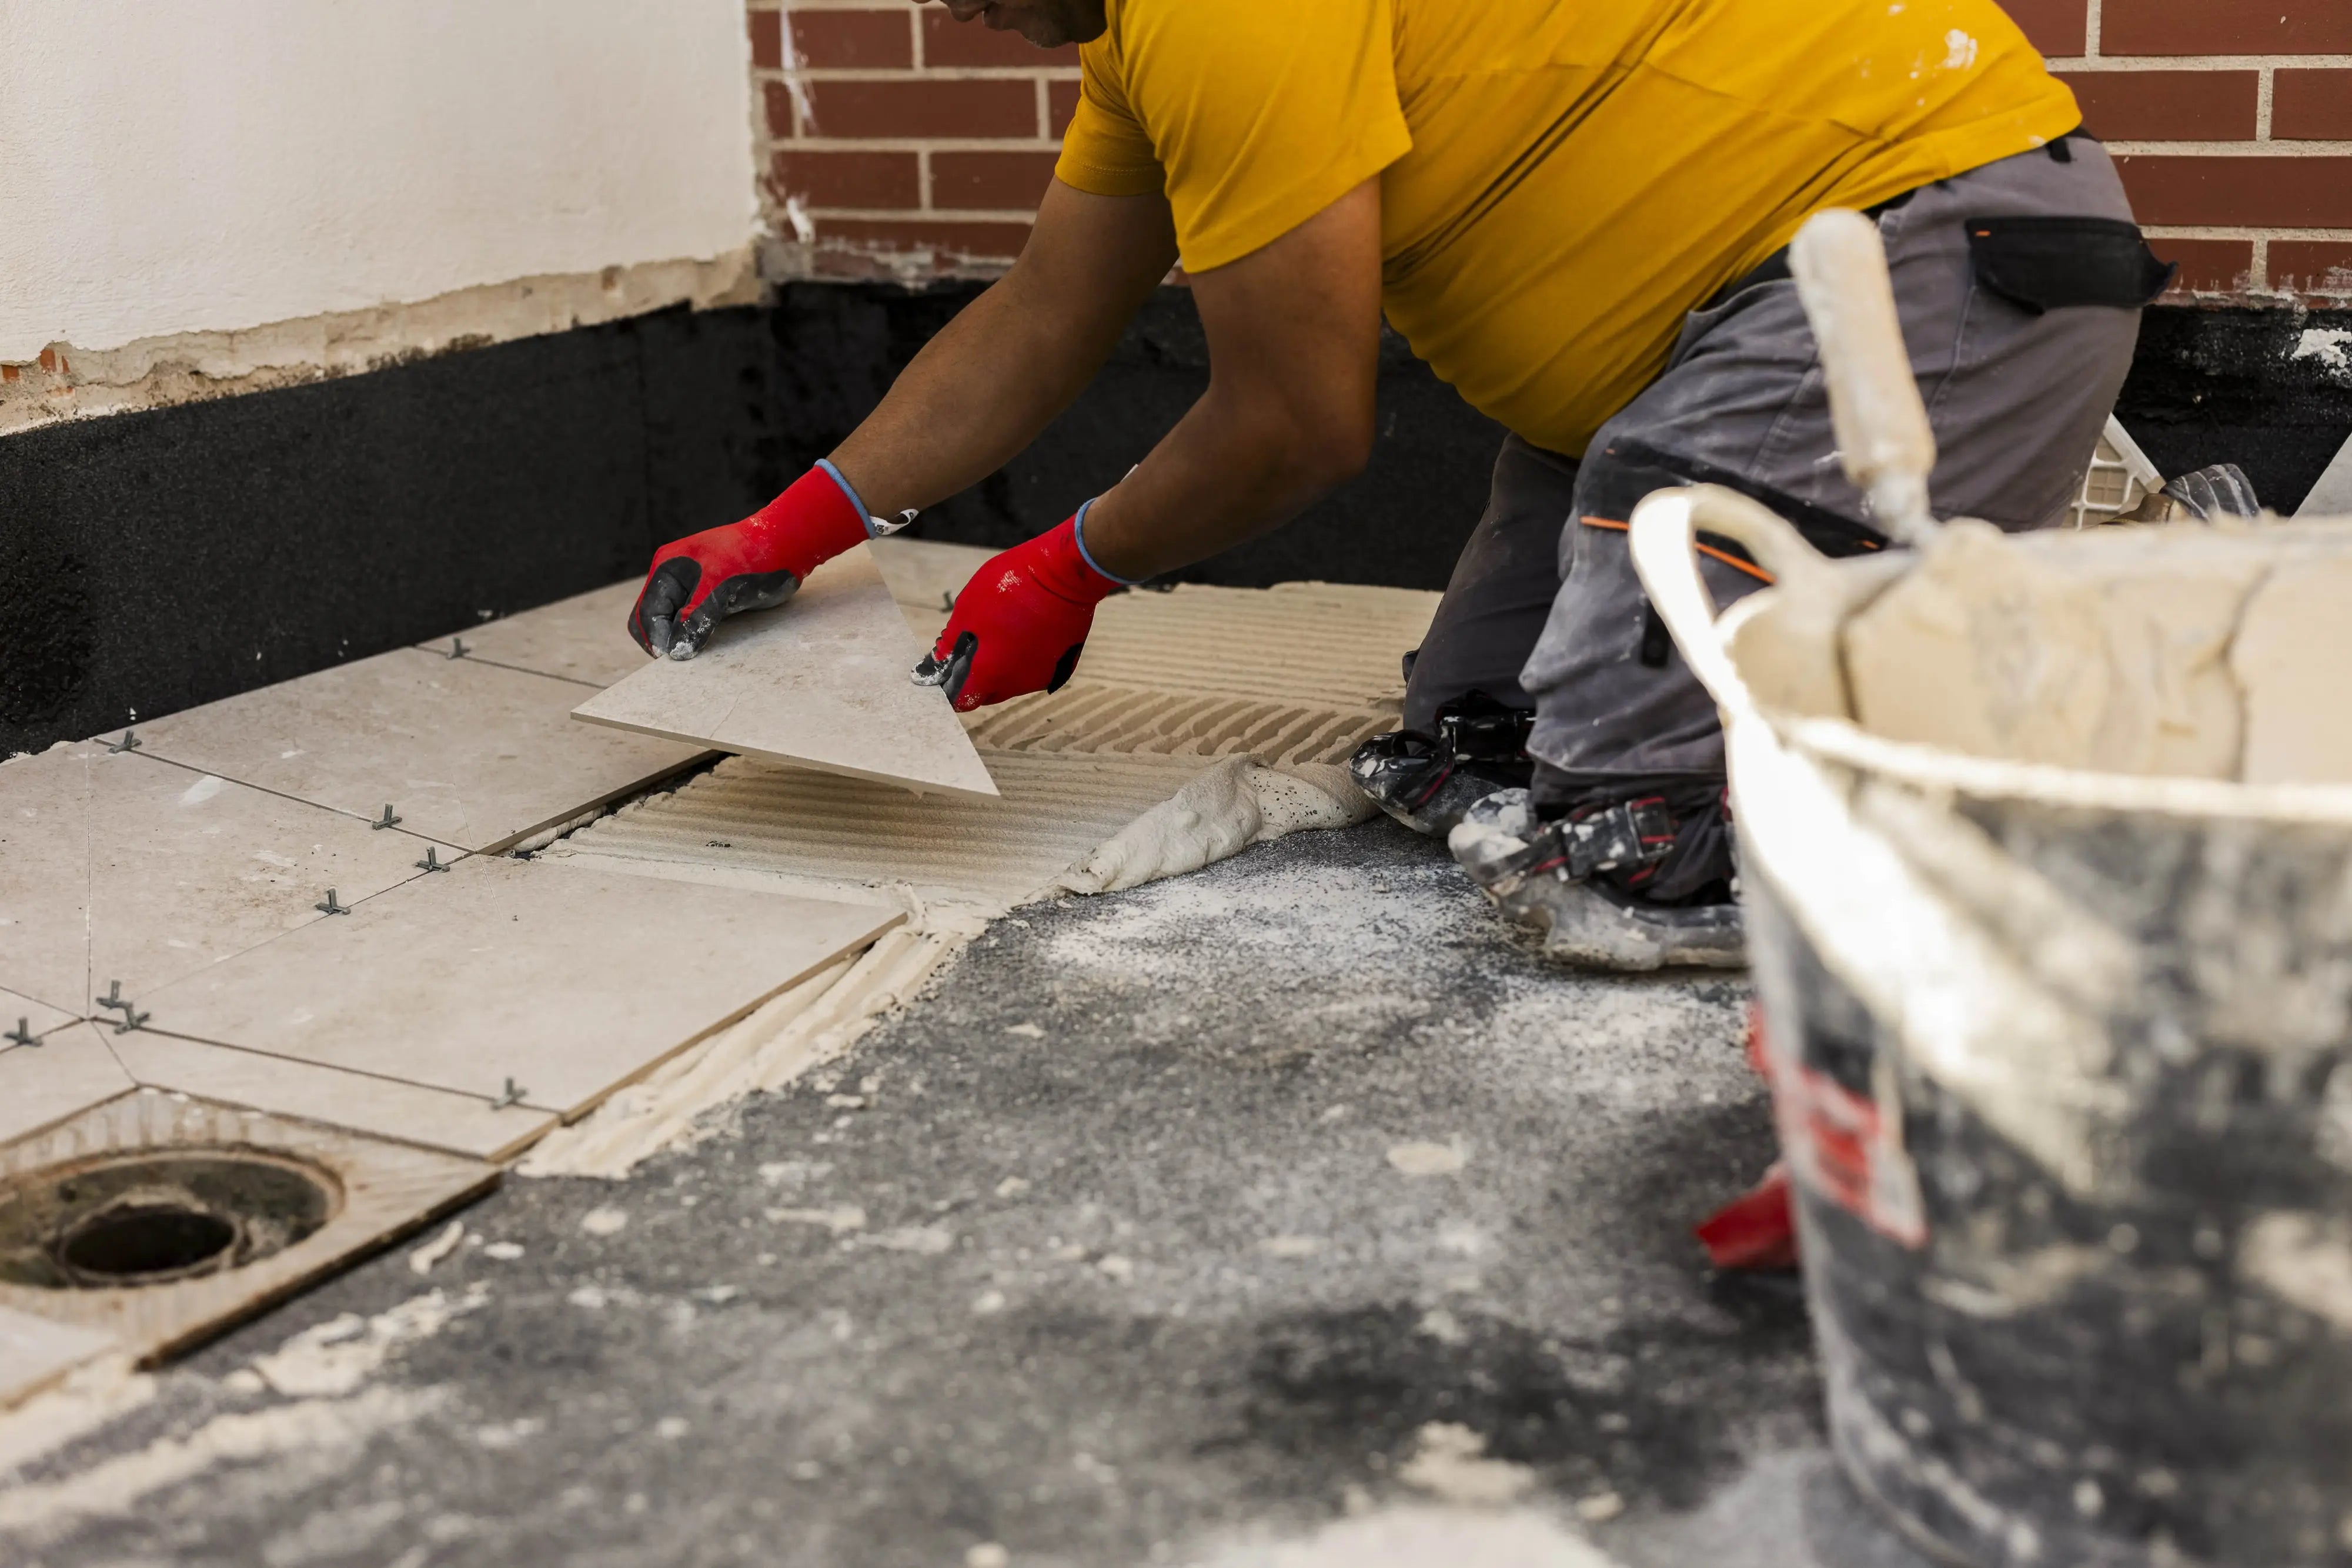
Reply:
x=128, y=1220
x=146, y=1244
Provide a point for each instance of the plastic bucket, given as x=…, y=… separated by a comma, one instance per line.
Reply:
x=2058, y=1063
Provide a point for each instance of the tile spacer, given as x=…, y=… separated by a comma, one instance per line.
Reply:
x=510, y=1095
x=387, y=819
x=431, y=861
x=113, y=997
x=131, y=1019
x=330, y=906
x=130, y=742
x=456, y=647
x=21, y=1034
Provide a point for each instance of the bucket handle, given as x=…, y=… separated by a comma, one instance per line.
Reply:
x=1664, y=539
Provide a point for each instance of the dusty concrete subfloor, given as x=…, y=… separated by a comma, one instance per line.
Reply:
x=1211, y=1328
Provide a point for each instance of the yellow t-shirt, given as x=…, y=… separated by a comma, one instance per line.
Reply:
x=1560, y=180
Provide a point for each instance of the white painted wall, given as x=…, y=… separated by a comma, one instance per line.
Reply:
x=191, y=166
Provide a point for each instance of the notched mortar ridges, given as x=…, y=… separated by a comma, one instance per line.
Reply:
x=1100, y=717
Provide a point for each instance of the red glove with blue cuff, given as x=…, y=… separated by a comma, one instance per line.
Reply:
x=756, y=564
x=1021, y=622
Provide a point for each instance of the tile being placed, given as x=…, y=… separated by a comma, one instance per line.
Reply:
x=471, y=754
x=584, y=638
x=565, y=981
x=69, y=1071
x=435, y=1118
x=44, y=878
x=821, y=682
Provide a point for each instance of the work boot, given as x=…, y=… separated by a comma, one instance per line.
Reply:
x=1428, y=781
x=1551, y=876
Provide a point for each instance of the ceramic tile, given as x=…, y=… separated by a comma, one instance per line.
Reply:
x=387, y=1190
x=584, y=638
x=21, y=1016
x=566, y=980
x=471, y=754
x=44, y=878
x=821, y=682
x=188, y=868
x=67, y=1072
x=35, y=1352
x=383, y=1107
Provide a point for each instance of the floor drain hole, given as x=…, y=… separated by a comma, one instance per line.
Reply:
x=124, y=1221
x=136, y=1246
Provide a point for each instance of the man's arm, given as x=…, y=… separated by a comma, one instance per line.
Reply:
x=1294, y=345
x=979, y=392
x=985, y=387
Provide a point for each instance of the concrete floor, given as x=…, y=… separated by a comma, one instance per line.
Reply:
x=1107, y=1252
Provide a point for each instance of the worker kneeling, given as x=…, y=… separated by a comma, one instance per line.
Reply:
x=1577, y=211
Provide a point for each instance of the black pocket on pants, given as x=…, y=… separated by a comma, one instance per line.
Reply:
x=2047, y=263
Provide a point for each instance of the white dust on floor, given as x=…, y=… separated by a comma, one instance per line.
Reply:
x=1417, y=1536
x=333, y=1411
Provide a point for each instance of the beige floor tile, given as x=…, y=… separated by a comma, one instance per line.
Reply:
x=471, y=754
x=188, y=868
x=35, y=1352
x=22, y=1015
x=386, y=1189
x=584, y=638
x=566, y=980
x=822, y=684
x=462, y=1124
x=69, y=1071
x=45, y=877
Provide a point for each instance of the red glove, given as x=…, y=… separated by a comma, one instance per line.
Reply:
x=756, y=564
x=1021, y=622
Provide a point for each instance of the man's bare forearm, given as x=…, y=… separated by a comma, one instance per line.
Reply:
x=990, y=382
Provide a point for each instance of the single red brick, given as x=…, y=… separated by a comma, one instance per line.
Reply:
x=2179, y=190
x=2225, y=27
x=48, y=360
x=778, y=99
x=2168, y=106
x=930, y=107
x=8, y=372
x=2312, y=106
x=1061, y=103
x=947, y=42
x=767, y=40
x=848, y=179
x=2208, y=265
x=989, y=182
x=979, y=241
x=854, y=40
x=2313, y=267
x=2054, y=27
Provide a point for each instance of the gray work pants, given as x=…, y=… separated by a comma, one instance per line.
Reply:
x=1544, y=609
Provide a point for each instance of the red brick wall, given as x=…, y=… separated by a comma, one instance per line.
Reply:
x=896, y=142
x=2232, y=122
